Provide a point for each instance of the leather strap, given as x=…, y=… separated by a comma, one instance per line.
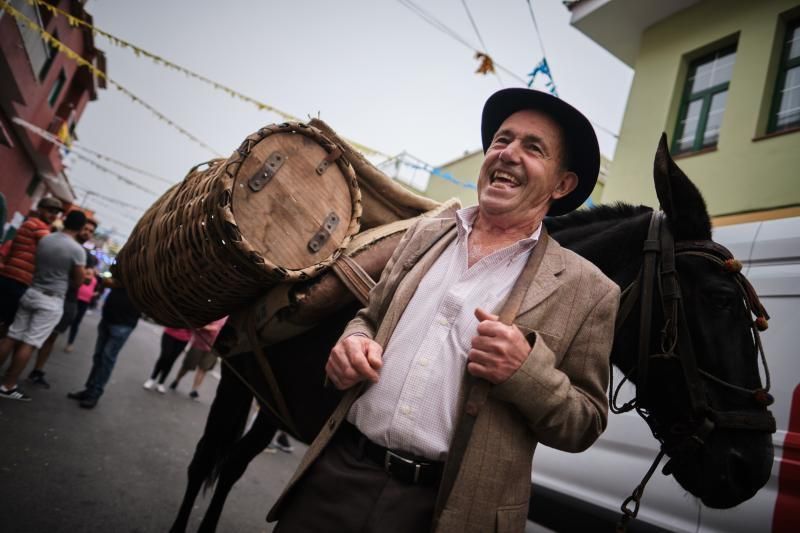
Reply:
x=477, y=389
x=354, y=277
x=266, y=369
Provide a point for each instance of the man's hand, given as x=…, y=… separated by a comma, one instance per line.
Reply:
x=354, y=359
x=497, y=351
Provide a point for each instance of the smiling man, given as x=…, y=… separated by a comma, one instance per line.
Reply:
x=446, y=402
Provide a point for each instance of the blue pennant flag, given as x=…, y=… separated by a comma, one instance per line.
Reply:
x=544, y=68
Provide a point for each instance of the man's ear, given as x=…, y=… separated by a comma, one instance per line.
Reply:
x=567, y=184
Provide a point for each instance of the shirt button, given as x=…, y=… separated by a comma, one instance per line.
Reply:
x=423, y=361
x=406, y=410
x=443, y=321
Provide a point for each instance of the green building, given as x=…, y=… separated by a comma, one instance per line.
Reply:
x=722, y=79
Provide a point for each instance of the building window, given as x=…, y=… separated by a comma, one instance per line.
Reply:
x=704, y=99
x=5, y=138
x=36, y=48
x=56, y=90
x=786, y=106
x=52, y=53
x=33, y=184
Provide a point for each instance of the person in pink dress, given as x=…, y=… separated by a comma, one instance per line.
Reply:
x=173, y=341
x=200, y=356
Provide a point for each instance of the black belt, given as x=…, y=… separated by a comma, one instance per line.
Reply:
x=48, y=292
x=399, y=465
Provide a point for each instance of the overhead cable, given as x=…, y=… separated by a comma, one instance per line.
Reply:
x=441, y=26
x=139, y=51
x=36, y=130
x=480, y=39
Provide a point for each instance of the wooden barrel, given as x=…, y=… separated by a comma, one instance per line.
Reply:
x=282, y=208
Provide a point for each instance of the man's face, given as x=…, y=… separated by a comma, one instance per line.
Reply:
x=48, y=214
x=86, y=233
x=522, y=171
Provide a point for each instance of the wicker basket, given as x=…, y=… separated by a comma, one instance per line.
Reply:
x=282, y=208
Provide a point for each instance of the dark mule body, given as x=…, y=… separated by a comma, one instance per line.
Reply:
x=723, y=468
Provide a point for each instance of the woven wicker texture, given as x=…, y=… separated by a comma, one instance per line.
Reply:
x=222, y=236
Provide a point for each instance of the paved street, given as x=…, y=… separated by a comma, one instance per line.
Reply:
x=120, y=467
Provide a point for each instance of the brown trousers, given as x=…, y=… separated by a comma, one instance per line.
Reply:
x=343, y=491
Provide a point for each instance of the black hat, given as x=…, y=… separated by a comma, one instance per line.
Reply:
x=583, y=152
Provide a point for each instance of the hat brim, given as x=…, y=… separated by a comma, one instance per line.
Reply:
x=579, y=135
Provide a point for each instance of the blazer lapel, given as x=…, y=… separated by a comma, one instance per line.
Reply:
x=430, y=242
x=547, y=279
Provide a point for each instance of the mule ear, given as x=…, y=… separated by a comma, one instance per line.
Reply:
x=680, y=199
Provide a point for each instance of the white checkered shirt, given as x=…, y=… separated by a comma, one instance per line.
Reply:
x=413, y=406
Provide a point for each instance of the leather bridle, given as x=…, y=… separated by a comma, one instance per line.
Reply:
x=658, y=273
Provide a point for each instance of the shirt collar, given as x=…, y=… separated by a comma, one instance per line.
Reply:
x=466, y=218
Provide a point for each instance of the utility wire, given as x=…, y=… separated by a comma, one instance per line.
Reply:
x=36, y=130
x=75, y=21
x=480, y=39
x=98, y=155
x=90, y=192
x=552, y=79
x=538, y=33
x=82, y=61
x=441, y=26
x=436, y=23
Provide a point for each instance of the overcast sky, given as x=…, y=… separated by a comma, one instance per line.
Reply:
x=373, y=69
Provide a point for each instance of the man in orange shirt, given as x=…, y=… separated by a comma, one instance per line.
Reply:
x=16, y=274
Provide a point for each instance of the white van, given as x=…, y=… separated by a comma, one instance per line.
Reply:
x=583, y=492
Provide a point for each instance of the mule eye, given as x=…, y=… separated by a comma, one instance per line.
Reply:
x=721, y=299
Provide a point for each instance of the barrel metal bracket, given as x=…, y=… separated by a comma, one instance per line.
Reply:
x=271, y=166
x=324, y=233
x=331, y=157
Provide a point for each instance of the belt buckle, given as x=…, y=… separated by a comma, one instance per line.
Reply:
x=387, y=463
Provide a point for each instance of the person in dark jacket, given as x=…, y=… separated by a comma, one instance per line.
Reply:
x=118, y=321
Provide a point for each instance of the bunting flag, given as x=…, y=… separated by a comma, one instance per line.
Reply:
x=486, y=66
x=544, y=69
x=435, y=171
x=140, y=52
x=83, y=62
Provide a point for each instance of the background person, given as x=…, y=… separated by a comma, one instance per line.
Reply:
x=59, y=262
x=18, y=263
x=36, y=377
x=119, y=319
x=90, y=290
x=200, y=356
x=173, y=341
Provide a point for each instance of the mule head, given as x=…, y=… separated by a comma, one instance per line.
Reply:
x=720, y=461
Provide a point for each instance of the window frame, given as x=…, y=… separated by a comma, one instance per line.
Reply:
x=58, y=87
x=784, y=66
x=706, y=96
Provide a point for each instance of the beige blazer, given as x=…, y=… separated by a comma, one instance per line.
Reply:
x=557, y=397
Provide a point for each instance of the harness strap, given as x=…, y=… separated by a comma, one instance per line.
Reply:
x=269, y=376
x=627, y=300
x=743, y=420
x=651, y=249
x=354, y=277
x=262, y=401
